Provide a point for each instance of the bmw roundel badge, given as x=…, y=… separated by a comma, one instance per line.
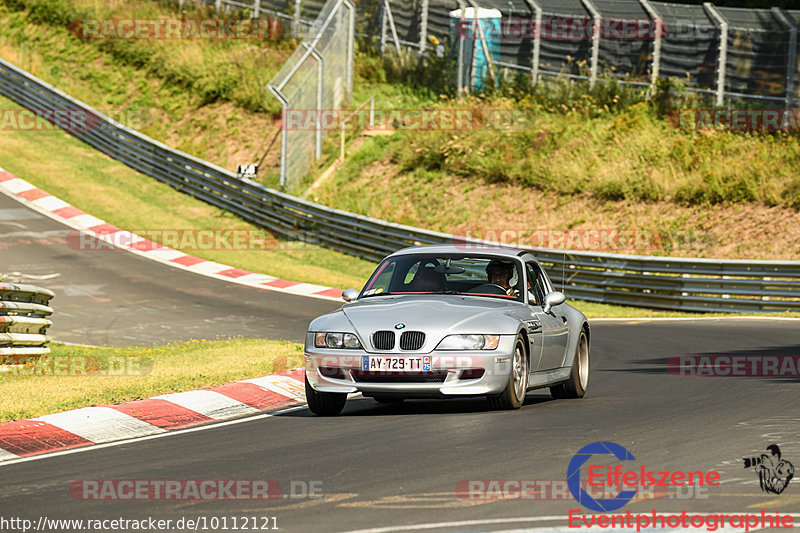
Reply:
x=399, y=325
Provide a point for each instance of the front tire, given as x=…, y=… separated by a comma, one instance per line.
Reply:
x=324, y=403
x=578, y=382
x=514, y=395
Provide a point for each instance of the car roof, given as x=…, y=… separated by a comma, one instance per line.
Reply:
x=462, y=249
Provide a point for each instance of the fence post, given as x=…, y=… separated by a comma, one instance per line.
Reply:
x=460, y=76
x=791, y=61
x=218, y=5
x=659, y=32
x=537, y=40
x=298, y=4
x=384, y=25
x=284, y=131
x=320, y=88
x=256, y=8
x=392, y=27
x=723, y=51
x=423, y=27
x=351, y=44
x=596, y=28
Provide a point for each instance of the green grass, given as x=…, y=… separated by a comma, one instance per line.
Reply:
x=117, y=194
x=232, y=70
x=73, y=376
x=628, y=155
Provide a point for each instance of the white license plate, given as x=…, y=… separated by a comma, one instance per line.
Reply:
x=396, y=364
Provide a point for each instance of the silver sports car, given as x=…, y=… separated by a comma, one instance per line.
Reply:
x=449, y=321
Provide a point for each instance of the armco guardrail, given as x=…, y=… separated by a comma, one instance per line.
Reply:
x=23, y=322
x=655, y=282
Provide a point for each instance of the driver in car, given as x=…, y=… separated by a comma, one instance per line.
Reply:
x=500, y=273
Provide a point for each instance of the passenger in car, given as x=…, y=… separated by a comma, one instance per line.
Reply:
x=427, y=280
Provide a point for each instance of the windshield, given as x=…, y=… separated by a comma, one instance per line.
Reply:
x=497, y=277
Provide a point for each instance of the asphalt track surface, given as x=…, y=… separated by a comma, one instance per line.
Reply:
x=398, y=466
x=117, y=298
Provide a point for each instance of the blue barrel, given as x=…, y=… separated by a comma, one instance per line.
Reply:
x=476, y=64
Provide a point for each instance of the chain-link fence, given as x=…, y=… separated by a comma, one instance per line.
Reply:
x=316, y=79
x=730, y=53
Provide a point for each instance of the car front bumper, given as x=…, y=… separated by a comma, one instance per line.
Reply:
x=452, y=372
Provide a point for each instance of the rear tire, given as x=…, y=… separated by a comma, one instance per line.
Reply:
x=514, y=395
x=324, y=403
x=578, y=382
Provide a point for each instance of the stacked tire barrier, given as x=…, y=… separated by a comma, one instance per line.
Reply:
x=680, y=284
x=23, y=322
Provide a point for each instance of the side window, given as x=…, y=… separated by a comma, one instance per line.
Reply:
x=536, y=288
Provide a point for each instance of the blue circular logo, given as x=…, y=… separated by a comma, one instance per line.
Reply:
x=399, y=325
x=574, y=476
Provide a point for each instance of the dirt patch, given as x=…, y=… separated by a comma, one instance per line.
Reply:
x=534, y=218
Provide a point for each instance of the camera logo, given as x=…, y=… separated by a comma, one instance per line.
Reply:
x=774, y=473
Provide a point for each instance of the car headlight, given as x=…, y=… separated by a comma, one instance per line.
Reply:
x=469, y=342
x=336, y=340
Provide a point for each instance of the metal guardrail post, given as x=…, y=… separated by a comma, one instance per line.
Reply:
x=256, y=8
x=218, y=5
x=596, y=29
x=423, y=27
x=723, y=51
x=657, y=37
x=791, y=61
x=537, y=40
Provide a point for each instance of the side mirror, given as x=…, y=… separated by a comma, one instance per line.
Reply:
x=553, y=299
x=349, y=295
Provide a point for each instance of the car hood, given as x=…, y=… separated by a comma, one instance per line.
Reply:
x=436, y=315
